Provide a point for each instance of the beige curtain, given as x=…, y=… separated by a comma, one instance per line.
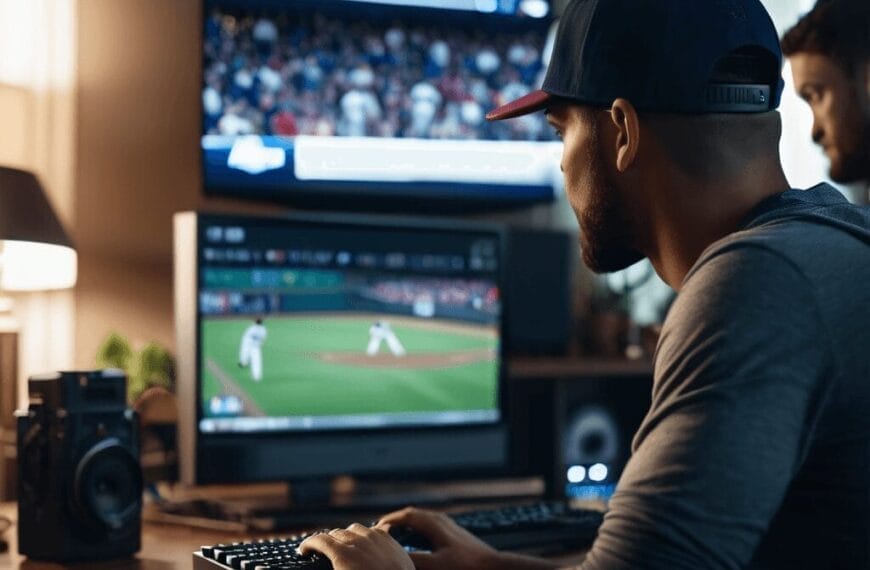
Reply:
x=37, y=111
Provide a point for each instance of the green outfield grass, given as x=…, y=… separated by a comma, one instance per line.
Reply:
x=297, y=382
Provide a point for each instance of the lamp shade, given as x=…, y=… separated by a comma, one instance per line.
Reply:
x=36, y=254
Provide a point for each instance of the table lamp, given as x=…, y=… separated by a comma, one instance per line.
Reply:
x=36, y=254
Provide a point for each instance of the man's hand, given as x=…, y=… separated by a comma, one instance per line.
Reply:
x=453, y=546
x=359, y=548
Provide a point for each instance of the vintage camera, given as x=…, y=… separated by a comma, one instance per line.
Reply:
x=80, y=483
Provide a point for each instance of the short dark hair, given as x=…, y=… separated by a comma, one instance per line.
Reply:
x=839, y=29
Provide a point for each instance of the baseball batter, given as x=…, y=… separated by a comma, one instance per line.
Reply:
x=250, y=350
x=382, y=331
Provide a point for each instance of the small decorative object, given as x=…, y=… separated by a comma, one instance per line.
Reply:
x=152, y=366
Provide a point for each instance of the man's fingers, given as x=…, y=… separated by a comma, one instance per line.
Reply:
x=323, y=543
x=343, y=535
x=430, y=524
x=358, y=529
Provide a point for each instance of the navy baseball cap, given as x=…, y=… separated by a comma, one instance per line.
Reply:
x=667, y=56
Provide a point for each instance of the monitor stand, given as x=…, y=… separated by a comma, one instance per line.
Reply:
x=337, y=502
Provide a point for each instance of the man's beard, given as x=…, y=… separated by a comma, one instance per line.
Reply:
x=853, y=166
x=605, y=231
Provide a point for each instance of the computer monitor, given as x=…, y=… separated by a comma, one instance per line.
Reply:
x=319, y=345
x=376, y=104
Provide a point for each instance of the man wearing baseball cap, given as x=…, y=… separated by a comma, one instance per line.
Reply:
x=755, y=452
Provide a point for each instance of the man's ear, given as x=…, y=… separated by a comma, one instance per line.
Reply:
x=625, y=120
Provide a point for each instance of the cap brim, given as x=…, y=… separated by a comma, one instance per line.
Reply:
x=534, y=101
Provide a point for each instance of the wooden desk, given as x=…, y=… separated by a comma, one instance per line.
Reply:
x=164, y=547
x=170, y=547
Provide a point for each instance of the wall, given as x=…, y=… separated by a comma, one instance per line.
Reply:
x=138, y=163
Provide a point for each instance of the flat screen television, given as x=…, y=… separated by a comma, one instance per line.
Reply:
x=377, y=105
x=314, y=345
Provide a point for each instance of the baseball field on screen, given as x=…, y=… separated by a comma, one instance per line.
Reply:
x=316, y=365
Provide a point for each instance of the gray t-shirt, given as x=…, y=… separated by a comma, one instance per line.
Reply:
x=756, y=450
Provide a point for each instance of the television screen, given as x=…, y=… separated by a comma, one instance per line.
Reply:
x=333, y=102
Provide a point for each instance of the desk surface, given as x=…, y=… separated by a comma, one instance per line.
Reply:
x=164, y=547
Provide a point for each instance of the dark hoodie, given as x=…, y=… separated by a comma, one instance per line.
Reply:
x=756, y=450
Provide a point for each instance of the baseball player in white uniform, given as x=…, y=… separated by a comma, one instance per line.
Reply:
x=250, y=350
x=382, y=331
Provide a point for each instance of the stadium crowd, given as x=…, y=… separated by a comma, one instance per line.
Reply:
x=476, y=294
x=305, y=73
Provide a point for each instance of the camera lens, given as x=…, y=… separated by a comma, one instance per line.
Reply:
x=108, y=485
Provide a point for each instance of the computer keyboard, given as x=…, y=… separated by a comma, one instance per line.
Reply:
x=549, y=526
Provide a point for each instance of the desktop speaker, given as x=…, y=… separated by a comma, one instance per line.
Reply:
x=576, y=431
x=539, y=316
x=80, y=484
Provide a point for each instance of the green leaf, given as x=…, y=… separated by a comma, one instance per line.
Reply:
x=151, y=366
x=115, y=352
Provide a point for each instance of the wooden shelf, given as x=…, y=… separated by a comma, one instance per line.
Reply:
x=553, y=367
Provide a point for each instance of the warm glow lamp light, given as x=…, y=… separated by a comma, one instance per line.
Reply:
x=36, y=254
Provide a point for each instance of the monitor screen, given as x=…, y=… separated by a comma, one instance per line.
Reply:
x=300, y=327
x=338, y=102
